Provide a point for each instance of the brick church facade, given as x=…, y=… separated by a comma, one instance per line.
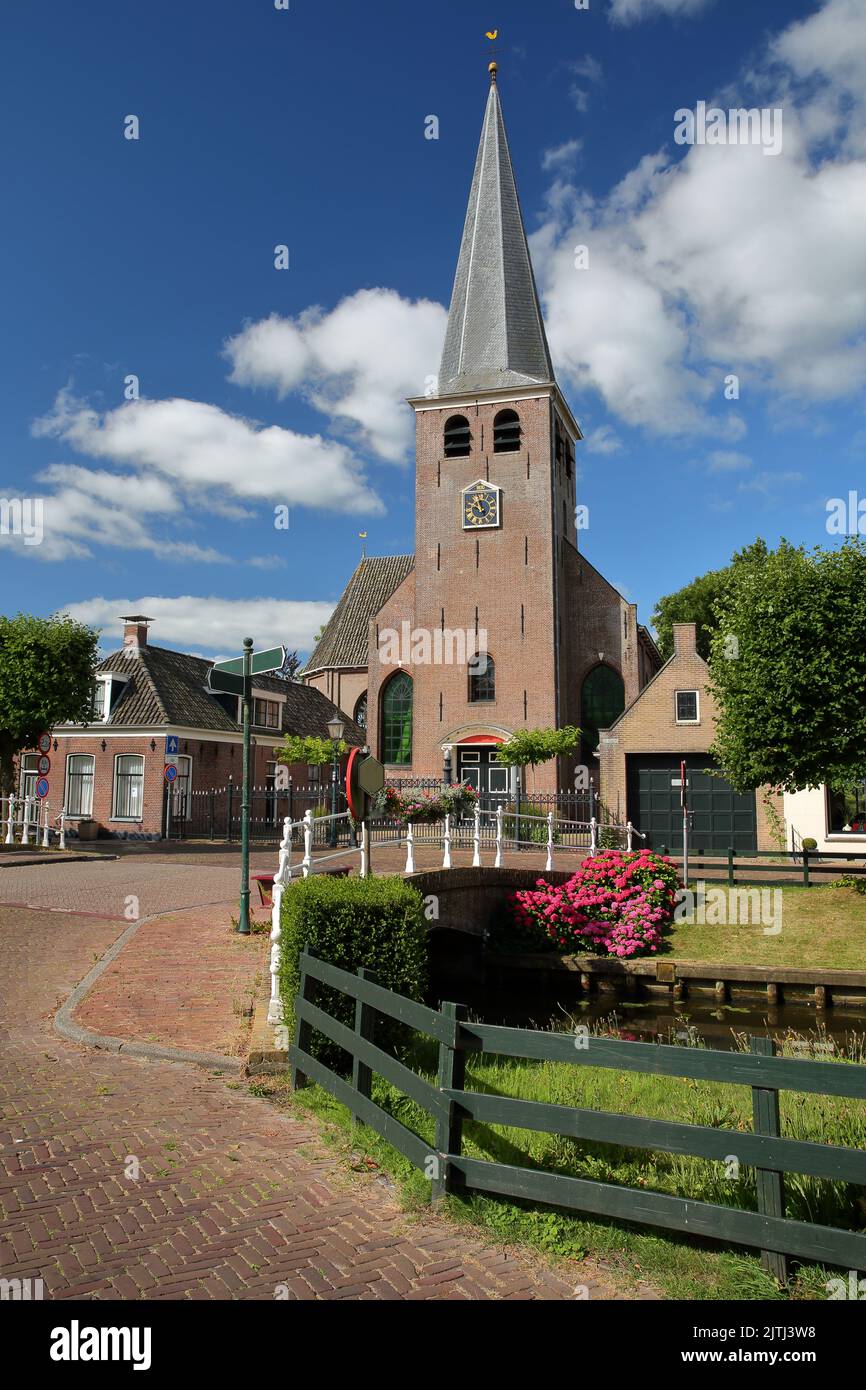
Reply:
x=497, y=573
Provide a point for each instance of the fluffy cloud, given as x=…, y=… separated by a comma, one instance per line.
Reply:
x=213, y=627
x=356, y=364
x=728, y=261
x=633, y=11
x=561, y=156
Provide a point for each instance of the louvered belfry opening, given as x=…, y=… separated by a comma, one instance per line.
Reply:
x=457, y=438
x=506, y=432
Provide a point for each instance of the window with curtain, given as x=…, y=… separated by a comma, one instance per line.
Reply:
x=397, y=720
x=128, y=786
x=79, y=784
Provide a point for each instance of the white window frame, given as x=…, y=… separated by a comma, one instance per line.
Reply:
x=114, y=812
x=697, y=695
x=84, y=812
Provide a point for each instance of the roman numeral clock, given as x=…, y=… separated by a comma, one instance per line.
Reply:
x=480, y=506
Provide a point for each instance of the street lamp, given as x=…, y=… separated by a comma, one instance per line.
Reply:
x=335, y=733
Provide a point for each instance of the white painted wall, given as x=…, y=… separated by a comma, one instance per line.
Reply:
x=806, y=811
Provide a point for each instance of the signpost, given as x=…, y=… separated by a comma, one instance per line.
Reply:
x=41, y=791
x=170, y=772
x=683, y=782
x=43, y=743
x=235, y=678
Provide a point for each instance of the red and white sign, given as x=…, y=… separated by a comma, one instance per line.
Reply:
x=43, y=743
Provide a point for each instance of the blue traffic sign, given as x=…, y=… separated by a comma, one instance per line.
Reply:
x=42, y=787
x=172, y=742
x=170, y=772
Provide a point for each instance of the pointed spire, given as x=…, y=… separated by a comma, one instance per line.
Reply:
x=495, y=335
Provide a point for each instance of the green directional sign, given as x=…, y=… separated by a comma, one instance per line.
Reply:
x=262, y=663
x=224, y=682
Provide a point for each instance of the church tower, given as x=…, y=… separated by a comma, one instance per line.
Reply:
x=496, y=570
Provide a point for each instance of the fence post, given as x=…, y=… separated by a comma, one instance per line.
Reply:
x=46, y=834
x=168, y=805
x=500, y=816
x=365, y=1023
x=629, y=829
x=308, y=842
x=593, y=836
x=10, y=824
x=449, y=1121
x=446, y=858
x=303, y=1031
x=365, y=850
x=771, y=1190
x=212, y=809
x=25, y=823
x=730, y=866
x=283, y=874
x=476, y=839
x=806, y=883
x=549, y=864
x=410, y=849
x=63, y=827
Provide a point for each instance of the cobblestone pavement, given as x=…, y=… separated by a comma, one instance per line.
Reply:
x=122, y=1178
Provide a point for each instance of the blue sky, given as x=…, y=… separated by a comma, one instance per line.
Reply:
x=262, y=387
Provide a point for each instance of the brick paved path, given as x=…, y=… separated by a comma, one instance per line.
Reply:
x=231, y=1198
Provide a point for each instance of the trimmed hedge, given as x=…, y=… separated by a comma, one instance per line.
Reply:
x=351, y=922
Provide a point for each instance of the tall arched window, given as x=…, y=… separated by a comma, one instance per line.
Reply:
x=360, y=715
x=602, y=700
x=397, y=720
x=482, y=679
x=506, y=432
x=458, y=437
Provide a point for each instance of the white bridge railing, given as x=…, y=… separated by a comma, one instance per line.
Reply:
x=308, y=864
x=27, y=820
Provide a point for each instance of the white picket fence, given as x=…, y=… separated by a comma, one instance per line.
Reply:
x=27, y=820
x=308, y=864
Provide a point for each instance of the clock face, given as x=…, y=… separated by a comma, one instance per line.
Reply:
x=479, y=506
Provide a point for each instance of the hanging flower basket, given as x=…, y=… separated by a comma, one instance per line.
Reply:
x=426, y=810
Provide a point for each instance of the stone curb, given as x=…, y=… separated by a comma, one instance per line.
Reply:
x=65, y=1024
x=10, y=861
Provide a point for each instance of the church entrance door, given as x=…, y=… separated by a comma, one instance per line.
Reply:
x=477, y=765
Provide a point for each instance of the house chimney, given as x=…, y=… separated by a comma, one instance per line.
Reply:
x=135, y=632
x=685, y=638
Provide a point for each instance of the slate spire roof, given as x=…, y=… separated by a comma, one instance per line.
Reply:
x=344, y=640
x=495, y=335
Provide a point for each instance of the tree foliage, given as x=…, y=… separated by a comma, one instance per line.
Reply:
x=529, y=747
x=697, y=602
x=309, y=749
x=46, y=678
x=788, y=667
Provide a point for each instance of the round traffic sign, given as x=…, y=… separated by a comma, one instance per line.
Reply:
x=42, y=787
x=170, y=772
x=43, y=765
x=43, y=743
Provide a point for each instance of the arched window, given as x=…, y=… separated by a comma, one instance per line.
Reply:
x=458, y=437
x=397, y=720
x=482, y=678
x=360, y=715
x=602, y=700
x=506, y=432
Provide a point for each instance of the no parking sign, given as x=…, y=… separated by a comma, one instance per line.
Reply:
x=42, y=788
x=170, y=772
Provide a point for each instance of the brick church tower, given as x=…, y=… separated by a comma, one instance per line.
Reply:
x=496, y=570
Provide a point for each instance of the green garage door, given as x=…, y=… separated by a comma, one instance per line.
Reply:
x=720, y=816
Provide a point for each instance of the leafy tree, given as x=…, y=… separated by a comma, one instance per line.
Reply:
x=529, y=747
x=696, y=602
x=46, y=678
x=309, y=749
x=788, y=666
x=290, y=666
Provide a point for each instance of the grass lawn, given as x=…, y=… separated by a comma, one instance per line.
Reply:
x=823, y=927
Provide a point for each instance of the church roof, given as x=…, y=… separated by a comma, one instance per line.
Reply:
x=344, y=640
x=495, y=335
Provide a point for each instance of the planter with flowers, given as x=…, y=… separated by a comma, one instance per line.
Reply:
x=617, y=904
x=414, y=809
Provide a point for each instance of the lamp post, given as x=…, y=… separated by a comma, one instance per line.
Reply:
x=335, y=733
x=446, y=770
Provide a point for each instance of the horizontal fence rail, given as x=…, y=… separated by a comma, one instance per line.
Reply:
x=450, y=1104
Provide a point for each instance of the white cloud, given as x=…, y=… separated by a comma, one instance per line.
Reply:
x=602, y=440
x=633, y=11
x=728, y=461
x=728, y=261
x=769, y=483
x=561, y=156
x=356, y=364
x=214, y=626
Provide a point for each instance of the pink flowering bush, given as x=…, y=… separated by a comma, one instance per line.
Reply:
x=617, y=904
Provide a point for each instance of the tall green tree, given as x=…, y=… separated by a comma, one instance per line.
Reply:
x=696, y=602
x=46, y=678
x=788, y=668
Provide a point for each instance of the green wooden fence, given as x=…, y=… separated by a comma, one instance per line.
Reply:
x=745, y=866
x=450, y=1105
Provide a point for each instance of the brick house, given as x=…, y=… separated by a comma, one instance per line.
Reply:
x=497, y=622
x=671, y=720
x=112, y=769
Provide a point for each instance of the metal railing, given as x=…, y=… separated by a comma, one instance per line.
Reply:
x=27, y=820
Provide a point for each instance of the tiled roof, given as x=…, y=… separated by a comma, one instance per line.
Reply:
x=167, y=687
x=344, y=641
x=495, y=335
